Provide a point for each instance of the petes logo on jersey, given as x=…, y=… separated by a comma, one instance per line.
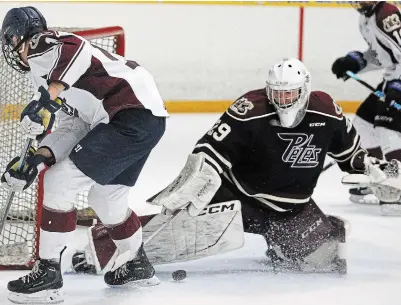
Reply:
x=300, y=152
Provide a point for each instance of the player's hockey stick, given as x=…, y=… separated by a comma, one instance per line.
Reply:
x=10, y=196
x=378, y=93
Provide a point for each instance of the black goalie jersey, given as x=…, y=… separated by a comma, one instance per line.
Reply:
x=279, y=166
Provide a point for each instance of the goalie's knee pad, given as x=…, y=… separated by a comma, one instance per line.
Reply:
x=307, y=240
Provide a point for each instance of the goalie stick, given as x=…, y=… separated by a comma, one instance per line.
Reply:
x=328, y=165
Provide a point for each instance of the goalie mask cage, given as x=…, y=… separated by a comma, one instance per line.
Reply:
x=19, y=239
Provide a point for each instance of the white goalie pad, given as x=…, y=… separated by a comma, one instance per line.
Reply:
x=217, y=229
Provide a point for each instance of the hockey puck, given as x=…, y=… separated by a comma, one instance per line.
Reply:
x=179, y=275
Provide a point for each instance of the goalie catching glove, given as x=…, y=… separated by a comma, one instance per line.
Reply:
x=38, y=116
x=18, y=180
x=194, y=187
x=382, y=177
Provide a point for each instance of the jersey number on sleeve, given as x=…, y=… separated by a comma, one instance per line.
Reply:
x=219, y=130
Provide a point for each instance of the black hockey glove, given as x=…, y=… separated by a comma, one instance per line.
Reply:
x=38, y=116
x=393, y=95
x=18, y=180
x=353, y=62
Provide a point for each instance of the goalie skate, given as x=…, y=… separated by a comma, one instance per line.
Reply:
x=362, y=195
x=41, y=286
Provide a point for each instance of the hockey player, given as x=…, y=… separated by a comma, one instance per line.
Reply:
x=111, y=117
x=267, y=151
x=378, y=123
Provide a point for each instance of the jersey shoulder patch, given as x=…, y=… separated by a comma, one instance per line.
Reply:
x=388, y=19
x=251, y=105
x=42, y=43
x=322, y=103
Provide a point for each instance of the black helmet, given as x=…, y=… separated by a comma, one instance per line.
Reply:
x=19, y=25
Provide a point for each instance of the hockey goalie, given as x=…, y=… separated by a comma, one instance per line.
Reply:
x=254, y=171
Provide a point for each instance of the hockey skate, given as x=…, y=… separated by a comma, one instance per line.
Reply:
x=362, y=195
x=41, y=286
x=137, y=272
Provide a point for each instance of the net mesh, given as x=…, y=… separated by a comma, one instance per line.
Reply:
x=20, y=230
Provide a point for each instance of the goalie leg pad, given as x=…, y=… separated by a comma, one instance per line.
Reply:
x=307, y=239
x=217, y=229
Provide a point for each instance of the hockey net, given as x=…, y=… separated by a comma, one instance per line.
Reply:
x=19, y=238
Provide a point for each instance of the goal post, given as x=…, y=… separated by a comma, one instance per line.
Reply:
x=19, y=239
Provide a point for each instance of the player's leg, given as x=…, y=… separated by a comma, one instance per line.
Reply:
x=58, y=221
x=128, y=261
x=364, y=124
x=121, y=149
x=61, y=184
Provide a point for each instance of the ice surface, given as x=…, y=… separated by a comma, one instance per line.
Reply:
x=374, y=250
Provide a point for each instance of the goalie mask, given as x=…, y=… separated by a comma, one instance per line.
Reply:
x=18, y=26
x=288, y=87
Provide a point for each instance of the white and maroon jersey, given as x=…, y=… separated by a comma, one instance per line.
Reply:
x=275, y=165
x=382, y=32
x=97, y=83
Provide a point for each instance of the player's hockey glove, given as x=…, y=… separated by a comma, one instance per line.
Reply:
x=393, y=95
x=38, y=116
x=353, y=61
x=19, y=180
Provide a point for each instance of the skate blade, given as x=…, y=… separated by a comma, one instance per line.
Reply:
x=53, y=296
x=153, y=281
x=364, y=199
x=390, y=209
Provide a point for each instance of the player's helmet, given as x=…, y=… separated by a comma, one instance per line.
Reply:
x=19, y=25
x=288, y=87
x=364, y=7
